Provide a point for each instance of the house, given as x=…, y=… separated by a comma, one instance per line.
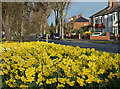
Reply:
x=108, y=19
x=70, y=23
x=80, y=22
x=77, y=23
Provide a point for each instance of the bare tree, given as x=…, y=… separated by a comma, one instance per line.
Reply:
x=23, y=18
x=63, y=19
x=59, y=8
x=55, y=7
x=14, y=19
x=40, y=14
x=18, y=21
x=7, y=18
x=63, y=6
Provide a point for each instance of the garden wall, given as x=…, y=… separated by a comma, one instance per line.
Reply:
x=107, y=37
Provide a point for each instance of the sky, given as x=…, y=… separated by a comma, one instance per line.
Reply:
x=86, y=8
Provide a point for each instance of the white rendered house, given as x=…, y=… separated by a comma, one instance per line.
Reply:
x=108, y=19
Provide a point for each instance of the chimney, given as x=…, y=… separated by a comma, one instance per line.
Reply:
x=89, y=22
x=69, y=19
x=79, y=15
x=74, y=17
x=112, y=3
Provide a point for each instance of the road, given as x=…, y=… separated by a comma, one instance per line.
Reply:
x=113, y=48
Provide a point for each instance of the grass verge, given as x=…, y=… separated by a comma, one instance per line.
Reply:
x=93, y=41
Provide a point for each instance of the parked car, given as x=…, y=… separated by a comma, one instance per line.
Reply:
x=39, y=36
x=44, y=36
x=103, y=34
x=55, y=36
x=112, y=35
x=96, y=34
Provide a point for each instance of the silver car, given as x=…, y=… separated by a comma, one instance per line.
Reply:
x=96, y=34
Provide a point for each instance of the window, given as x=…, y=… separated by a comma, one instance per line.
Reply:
x=91, y=20
x=119, y=15
x=111, y=30
x=113, y=17
x=116, y=32
x=101, y=19
x=96, y=21
x=116, y=16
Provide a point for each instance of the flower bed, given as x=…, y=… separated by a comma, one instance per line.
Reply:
x=40, y=64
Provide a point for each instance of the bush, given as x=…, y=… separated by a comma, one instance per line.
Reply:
x=81, y=32
x=72, y=31
x=92, y=31
x=43, y=65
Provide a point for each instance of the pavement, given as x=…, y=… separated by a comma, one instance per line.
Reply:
x=112, y=48
x=88, y=40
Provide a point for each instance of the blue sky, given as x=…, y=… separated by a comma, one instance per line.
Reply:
x=86, y=8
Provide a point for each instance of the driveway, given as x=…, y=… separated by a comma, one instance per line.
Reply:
x=113, y=48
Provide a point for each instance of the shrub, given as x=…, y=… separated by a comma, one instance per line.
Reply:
x=81, y=32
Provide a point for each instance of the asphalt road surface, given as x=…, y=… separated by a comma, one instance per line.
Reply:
x=113, y=48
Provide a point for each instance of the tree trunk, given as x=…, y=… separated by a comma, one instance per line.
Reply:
x=22, y=26
x=7, y=30
x=37, y=36
x=22, y=32
x=64, y=19
x=44, y=28
x=57, y=28
x=7, y=34
x=56, y=21
x=63, y=28
x=41, y=30
x=60, y=27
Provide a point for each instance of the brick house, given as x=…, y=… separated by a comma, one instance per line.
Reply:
x=77, y=23
x=81, y=22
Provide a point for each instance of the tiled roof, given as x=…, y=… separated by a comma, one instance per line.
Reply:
x=106, y=11
x=81, y=19
x=96, y=14
x=71, y=21
x=112, y=9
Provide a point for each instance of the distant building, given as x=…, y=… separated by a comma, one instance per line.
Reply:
x=70, y=23
x=77, y=23
x=80, y=22
x=108, y=19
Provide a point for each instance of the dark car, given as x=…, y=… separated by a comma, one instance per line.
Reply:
x=112, y=35
x=44, y=36
x=55, y=36
x=37, y=35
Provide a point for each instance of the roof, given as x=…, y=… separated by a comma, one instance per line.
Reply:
x=71, y=21
x=106, y=11
x=81, y=19
x=99, y=12
x=113, y=9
